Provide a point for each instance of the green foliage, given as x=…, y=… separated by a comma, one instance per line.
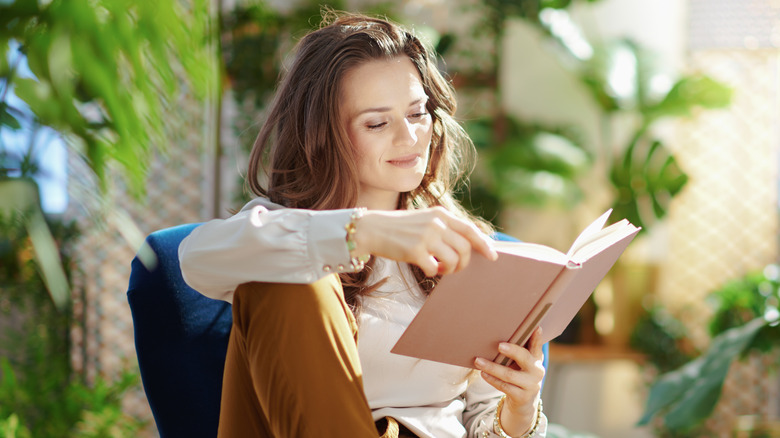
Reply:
x=524, y=164
x=526, y=9
x=688, y=93
x=11, y=427
x=746, y=319
x=22, y=225
x=66, y=409
x=645, y=178
x=662, y=339
x=40, y=395
x=254, y=37
x=739, y=301
x=644, y=173
x=686, y=396
x=105, y=72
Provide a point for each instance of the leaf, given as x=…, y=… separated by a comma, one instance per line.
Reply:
x=688, y=93
x=688, y=394
x=38, y=96
x=646, y=178
x=7, y=119
x=128, y=59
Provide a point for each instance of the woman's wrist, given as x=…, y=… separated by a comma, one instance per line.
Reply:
x=499, y=430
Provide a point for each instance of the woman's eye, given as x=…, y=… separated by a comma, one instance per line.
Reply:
x=376, y=125
x=418, y=116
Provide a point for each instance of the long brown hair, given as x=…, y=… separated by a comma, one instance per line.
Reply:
x=303, y=158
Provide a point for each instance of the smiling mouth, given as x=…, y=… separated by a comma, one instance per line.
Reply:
x=405, y=162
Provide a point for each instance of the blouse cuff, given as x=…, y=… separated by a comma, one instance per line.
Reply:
x=328, y=241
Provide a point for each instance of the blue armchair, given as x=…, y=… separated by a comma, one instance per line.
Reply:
x=181, y=340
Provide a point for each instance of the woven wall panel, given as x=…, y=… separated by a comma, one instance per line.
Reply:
x=725, y=223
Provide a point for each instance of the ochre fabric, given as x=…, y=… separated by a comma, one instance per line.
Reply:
x=292, y=367
x=390, y=428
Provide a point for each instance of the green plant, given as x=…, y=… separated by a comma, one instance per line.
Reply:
x=687, y=396
x=11, y=427
x=105, y=72
x=522, y=164
x=101, y=72
x=746, y=320
x=76, y=410
x=39, y=391
x=643, y=172
x=739, y=301
x=662, y=339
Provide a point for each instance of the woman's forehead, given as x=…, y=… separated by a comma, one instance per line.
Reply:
x=382, y=83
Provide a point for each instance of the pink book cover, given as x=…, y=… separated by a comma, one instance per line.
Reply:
x=470, y=312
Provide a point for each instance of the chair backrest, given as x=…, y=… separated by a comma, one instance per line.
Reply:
x=180, y=338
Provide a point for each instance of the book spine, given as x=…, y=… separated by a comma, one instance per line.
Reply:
x=534, y=319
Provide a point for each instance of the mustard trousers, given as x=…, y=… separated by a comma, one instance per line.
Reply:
x=292, y=367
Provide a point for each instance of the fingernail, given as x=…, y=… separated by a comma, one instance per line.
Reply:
x=480, y=362
x=503, y=347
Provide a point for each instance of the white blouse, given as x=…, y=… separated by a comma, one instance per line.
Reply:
x=265, y=242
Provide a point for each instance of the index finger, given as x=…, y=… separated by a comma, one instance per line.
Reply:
x=479, y=241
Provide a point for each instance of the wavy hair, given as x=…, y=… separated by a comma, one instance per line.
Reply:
x=303, y=158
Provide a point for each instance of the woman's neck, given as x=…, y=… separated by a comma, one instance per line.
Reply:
x=379, y=201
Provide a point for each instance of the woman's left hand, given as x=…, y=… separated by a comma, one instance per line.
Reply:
x=521, y=382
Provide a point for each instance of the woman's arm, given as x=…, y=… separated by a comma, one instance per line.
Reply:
x=257, y=244
x=302, y=246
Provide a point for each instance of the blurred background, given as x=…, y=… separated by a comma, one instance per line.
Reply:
x=119, y=118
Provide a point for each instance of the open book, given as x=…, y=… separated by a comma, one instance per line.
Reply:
x=471, y=311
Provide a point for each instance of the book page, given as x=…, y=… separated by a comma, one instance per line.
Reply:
x=602, y=239
x=587, y=234
x=531, y=250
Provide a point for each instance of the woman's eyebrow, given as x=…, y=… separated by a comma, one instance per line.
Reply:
x=384, y=109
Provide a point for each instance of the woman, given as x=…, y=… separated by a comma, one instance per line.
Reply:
x=351, y=229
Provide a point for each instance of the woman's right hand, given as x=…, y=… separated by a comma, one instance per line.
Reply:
x=432, y=238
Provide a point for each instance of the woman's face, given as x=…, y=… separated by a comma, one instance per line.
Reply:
x=383, y=108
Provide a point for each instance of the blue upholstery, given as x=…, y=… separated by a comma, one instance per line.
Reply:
x=181, y=341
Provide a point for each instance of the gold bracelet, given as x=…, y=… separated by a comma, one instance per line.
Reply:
x=358, y=262
x=498, y=430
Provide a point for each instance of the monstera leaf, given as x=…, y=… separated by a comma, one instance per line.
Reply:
x=645, y=178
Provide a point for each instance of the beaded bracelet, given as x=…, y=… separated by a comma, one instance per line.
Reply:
x=358, y=262
x=498, y=430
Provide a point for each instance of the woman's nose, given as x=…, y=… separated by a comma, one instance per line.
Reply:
x=406, y=134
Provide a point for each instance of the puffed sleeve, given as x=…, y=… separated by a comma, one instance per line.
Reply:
x=258, y=244
x=481, y=401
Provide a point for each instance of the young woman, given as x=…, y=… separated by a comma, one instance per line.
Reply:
x=353, y=224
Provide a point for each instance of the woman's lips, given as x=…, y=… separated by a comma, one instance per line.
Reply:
x=405, y=162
